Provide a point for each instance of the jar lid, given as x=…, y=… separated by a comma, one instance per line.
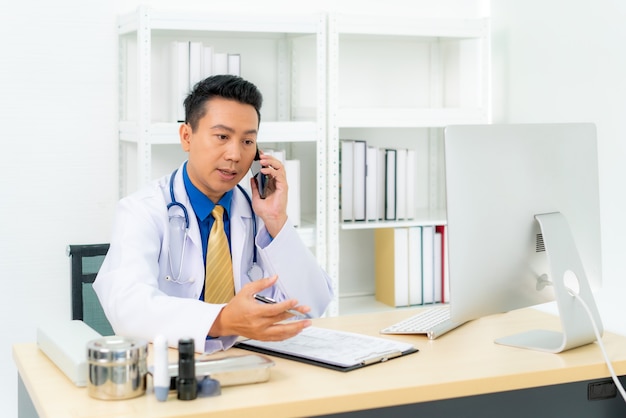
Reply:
x=113, y=349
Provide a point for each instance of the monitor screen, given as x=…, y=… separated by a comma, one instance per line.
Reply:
x=498, y=179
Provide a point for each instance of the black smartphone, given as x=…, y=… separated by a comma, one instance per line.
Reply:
x=261, y=179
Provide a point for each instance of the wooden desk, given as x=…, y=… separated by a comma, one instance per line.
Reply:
x=456, y=369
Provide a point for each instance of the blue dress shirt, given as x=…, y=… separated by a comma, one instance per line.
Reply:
x=203, y=206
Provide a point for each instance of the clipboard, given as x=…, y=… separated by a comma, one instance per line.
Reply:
x=337, y=350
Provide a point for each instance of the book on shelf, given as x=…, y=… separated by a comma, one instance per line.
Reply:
x=371, y=184
x=346, y=170
x=353, y=179
x=435, y=276
x=234, y=64
x=405, y=184
x=207, y=61
x=428, y=264
x=220, y=63
x=445, y=275
x=376, y=183
x=179, y=74
x=196, y=64
x=191, y=62
x=380, y=185
x=390, y=184
x=392, y=266
x=401, y=183
x=415, y=265
x=360, y=168
x=292, y=169
x=410, y=265
x=411, y=191
x=437, y=267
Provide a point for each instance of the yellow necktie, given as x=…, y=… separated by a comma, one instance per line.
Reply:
x=218, y=285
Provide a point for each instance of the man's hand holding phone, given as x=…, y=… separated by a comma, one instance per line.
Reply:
x=270, y=199
x=262, y=180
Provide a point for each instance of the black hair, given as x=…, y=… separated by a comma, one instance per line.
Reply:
x=226, y=86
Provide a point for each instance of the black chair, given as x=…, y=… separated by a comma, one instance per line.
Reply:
x=85, y=263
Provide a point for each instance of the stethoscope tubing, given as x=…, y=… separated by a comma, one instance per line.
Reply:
x=175, y=203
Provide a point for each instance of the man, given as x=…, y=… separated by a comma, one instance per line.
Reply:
x=153, y=278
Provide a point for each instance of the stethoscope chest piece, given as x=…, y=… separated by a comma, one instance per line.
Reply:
x=169, y=278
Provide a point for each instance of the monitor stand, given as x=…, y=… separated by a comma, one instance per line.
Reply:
x=567, y=272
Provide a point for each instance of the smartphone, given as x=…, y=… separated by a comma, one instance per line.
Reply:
x=261, y=179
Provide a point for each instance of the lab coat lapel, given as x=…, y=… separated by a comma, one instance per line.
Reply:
x=241, y=238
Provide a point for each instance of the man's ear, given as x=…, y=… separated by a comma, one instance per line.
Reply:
x=184, y=132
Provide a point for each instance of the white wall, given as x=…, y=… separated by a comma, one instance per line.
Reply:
x=564, y=61
x=58, y=85
x=58, y=111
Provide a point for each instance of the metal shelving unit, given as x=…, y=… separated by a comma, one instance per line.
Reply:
x=440, y=56
x=447, y=79
x=142, y=126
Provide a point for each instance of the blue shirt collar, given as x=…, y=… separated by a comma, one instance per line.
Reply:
x=201, y=204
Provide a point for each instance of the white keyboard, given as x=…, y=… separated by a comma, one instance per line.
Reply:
x=432, y=322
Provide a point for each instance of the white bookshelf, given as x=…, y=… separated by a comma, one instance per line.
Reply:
x=283, y=54
x=397, y=81
x=384, y=79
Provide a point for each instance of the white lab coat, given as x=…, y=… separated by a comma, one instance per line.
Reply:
x=140, y=302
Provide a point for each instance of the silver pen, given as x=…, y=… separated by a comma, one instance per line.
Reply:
x=271, y=301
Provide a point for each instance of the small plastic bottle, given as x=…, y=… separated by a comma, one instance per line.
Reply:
x=161, y=376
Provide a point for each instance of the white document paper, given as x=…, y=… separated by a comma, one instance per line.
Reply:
x=340, y=348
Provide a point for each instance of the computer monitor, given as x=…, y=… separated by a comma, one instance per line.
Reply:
x=524, y=225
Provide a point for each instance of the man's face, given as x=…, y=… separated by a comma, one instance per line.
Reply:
x=223, y=146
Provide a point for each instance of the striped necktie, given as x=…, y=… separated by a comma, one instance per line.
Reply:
x=218, y=286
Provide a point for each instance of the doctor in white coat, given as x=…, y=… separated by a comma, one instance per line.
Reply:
x=153, y=277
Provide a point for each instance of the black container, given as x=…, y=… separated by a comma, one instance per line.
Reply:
x=186, y=384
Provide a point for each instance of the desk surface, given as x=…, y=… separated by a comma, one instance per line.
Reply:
x=464, y=362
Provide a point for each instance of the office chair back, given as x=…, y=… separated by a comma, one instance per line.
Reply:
x=85, y=262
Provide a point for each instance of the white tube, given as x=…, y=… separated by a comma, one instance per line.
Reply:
x=161, y=377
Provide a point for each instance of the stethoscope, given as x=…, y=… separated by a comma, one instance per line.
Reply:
x=179, y=228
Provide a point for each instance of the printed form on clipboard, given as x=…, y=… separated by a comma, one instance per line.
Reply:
x=337, y=350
